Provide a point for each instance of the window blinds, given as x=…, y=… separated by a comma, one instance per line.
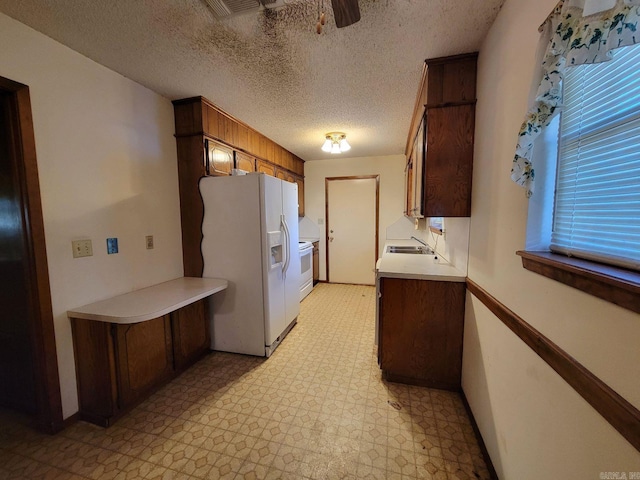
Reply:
x=597, y=202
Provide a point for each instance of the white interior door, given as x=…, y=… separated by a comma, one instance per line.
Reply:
x=351, y=230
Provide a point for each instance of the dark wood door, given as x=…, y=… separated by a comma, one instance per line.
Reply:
x=16, y=356
x=20, y=187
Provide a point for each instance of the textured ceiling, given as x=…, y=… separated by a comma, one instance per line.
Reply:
x=269, y=68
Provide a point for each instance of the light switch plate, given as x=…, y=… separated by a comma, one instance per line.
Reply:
x=112, y=245
x=81, y=248
x=149, y=239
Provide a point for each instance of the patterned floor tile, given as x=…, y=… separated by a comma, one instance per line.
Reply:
x=316, y=409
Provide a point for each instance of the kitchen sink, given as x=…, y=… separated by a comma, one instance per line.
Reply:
x=411, y=249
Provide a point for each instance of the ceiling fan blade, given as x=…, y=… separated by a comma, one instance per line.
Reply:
x=346, y=12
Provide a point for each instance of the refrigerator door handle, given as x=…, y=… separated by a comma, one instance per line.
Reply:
x=287, y=237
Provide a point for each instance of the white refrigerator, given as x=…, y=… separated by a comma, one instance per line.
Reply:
x=250, y=238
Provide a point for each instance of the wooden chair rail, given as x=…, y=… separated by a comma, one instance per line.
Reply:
x=623, y=416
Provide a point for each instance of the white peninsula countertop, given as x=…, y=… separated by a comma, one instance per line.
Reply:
x=420, y=267
x=150, y=302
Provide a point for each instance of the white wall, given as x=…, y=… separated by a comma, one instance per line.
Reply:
x=535, y=426
x=391, y=171
x=107, y=165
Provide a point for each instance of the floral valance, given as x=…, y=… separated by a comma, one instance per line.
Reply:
x=572, y=39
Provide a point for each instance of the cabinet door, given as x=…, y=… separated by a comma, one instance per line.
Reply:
x=408, y=185
x=265, y=167
x=245, y=162
x=300, y=182
x=95, y=370
x=449, y=161
x=219, y=159
x=144, y=357
x=418, y=162
x=421, y=324
x=190, y=330
x=281, y=174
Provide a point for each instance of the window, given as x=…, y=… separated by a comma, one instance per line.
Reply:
x=597, y=194
x=587, y=201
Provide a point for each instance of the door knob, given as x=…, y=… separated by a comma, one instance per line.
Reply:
x=331, y=239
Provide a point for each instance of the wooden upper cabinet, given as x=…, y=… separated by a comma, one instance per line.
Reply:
x=245, y=162
x=219, y=158
x=451, y=80
x=265, y=167
x=281, y=174
x=448, y=161
x=409, y=180
x=440, y=142
x=212, y=142
x=242, y=137
x=211, y=121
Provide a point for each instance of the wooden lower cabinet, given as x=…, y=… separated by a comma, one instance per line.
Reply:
x=420, y=332
x=143, y=357
x=119, y=365
x=191, y=338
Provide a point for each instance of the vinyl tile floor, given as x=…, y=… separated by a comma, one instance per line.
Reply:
x=316, y=409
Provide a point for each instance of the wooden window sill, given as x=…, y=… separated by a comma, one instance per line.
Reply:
x=613, y=284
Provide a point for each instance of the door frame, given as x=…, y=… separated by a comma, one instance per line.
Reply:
x=41, y=327
x=326, y=211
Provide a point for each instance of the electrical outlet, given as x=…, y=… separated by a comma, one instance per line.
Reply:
x=81, y=248
x=112, y=245
x=321, y=221
x=149, y=239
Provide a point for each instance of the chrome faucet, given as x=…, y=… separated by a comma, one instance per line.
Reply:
x=418, y=240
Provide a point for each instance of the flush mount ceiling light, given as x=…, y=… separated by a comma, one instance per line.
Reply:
x=335, y=142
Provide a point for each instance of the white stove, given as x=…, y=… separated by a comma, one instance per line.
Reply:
x=306, y=268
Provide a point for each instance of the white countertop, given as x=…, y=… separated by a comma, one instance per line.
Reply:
x=421, y=267
x=151, y=302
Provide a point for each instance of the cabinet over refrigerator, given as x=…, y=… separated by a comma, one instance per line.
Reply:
x=250, y=238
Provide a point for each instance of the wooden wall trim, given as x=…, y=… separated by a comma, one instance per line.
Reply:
x=623, y=416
